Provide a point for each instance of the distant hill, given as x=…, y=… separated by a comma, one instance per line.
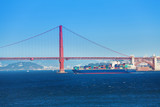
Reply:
x=21, y=66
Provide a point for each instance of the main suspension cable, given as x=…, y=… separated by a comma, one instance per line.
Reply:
x=95, y=42
x=28, y=38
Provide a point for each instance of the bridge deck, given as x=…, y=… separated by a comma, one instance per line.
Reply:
x=73, y=58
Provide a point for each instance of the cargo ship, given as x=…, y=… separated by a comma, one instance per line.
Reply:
x=105, y=69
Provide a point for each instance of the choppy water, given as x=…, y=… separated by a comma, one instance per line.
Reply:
x=46, y=88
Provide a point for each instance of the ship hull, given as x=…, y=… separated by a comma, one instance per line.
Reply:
x=113, y=71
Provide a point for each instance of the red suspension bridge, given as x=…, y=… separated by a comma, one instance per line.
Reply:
x=152, y=61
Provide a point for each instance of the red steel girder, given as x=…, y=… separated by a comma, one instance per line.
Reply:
x=66, y=58
x=73, y=58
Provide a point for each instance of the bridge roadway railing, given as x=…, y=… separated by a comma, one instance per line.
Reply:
x=74, y=58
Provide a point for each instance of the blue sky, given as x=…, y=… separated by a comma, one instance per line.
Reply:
x=127, y=26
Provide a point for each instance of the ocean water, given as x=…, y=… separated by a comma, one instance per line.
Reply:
x=49, y=89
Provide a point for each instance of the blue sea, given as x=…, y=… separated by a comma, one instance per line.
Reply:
x=50, y=89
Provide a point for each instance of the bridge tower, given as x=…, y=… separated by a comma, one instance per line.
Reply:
x=155, y=63
x=132, y=59
x=61, y=55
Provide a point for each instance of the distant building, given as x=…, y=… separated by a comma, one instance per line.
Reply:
x=50, y=68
